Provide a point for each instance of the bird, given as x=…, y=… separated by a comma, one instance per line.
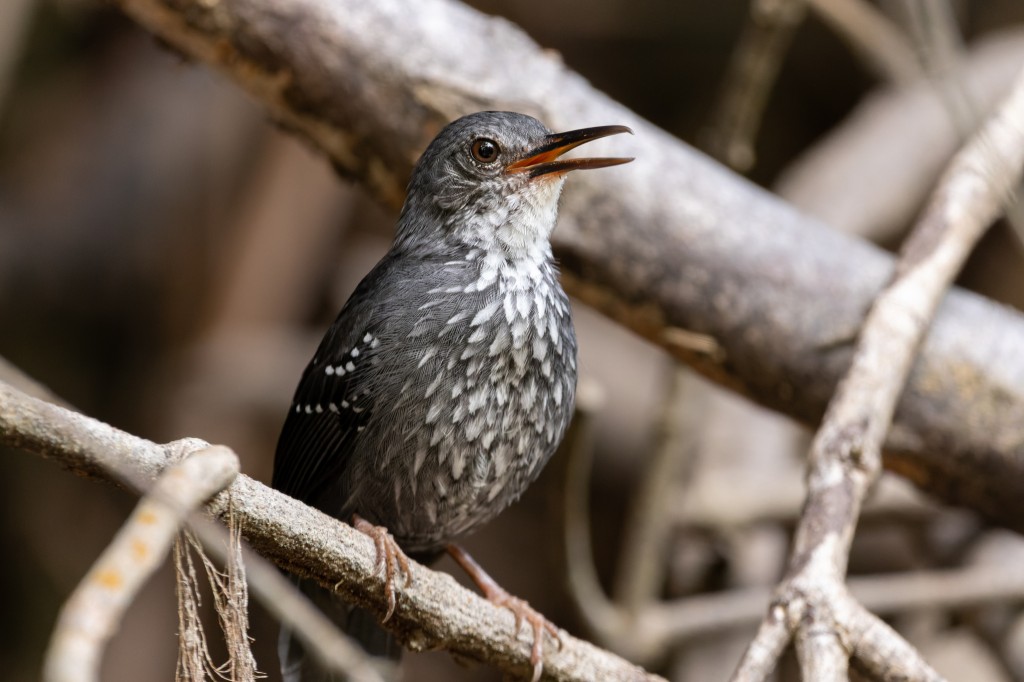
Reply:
x=448, y=379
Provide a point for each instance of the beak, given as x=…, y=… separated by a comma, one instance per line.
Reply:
x=543, y=159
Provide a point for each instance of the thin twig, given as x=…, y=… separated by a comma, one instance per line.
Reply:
x=641, y=570
x=879, y=42
x=320, y=637
x=753, y=69
x=93, y=611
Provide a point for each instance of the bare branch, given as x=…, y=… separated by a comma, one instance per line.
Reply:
x=754, y=66
x=93, y=611
x=845, y=458
x=435, y=612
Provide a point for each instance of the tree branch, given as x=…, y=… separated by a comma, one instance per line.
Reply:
x=93, y=611
x=435, y=612
x=846, y=454
x=672, y=242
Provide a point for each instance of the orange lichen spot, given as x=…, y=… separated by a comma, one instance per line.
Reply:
x=110, y=579
x=139, y=550
x=147, y=517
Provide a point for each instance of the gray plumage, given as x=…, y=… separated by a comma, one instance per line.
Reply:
x=448, y=379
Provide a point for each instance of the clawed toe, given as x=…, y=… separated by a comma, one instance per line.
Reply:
x=519, y=608
x=390, y=560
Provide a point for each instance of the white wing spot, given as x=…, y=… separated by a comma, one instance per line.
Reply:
x=333, y=407
x=349, y=366
x=329, y=370
x=355, y=352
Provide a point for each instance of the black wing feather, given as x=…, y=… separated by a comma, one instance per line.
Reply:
x=330, y=406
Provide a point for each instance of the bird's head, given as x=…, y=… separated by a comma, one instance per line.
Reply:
x=491, y=180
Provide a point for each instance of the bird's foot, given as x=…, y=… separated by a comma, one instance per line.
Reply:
x=522, y=610
x=390, y=559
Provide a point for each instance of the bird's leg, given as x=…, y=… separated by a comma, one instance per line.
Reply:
x=496, y=594
x=390, y=558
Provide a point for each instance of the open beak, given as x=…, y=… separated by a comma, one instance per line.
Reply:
x=544, y=159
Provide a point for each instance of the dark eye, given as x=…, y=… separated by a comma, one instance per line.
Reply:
x=484, y=150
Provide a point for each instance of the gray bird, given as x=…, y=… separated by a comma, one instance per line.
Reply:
x=448, y=379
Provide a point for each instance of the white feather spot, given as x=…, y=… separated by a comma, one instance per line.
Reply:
x=485, y=313
x=427, y=354
x=510, y=309
x=523, y=303
x=477, y=399
x=329, y=370
x=434, y=384
x=458, y=463
x=499, y=344
x=418, y=459
x=457, y=317
x=540, y=348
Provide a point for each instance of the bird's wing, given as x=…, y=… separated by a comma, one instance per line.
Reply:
x=332, y=403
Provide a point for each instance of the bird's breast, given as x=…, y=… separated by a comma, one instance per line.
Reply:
x=486, y=393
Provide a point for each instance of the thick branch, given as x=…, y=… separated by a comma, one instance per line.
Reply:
x=434, y=612
x=671, y=242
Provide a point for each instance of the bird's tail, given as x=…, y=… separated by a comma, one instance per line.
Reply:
x=299, y=666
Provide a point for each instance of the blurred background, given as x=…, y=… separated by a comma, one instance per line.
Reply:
x=169, y=261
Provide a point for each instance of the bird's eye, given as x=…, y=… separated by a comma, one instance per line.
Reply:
x=484, y=150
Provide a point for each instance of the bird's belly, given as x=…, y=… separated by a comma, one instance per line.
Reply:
x=451, y=469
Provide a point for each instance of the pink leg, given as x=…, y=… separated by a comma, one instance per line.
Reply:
x=519, y=608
